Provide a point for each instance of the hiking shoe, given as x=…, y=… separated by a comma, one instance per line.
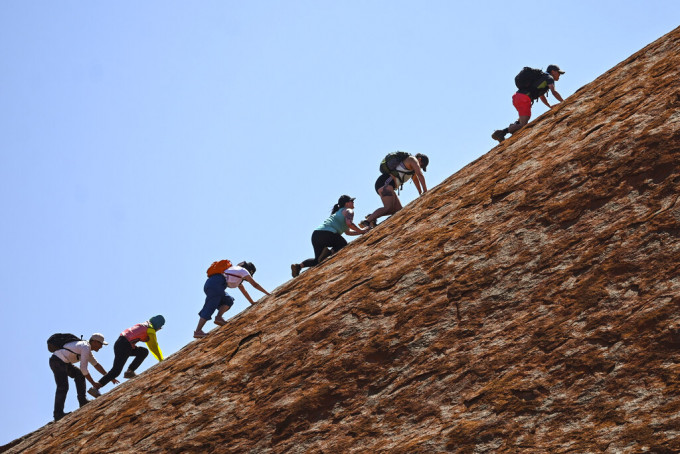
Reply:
x=219, y=321
x=498, y=135
x=60, y=415
x=94, y=392
x=295, y=269
x=199, y=334
x=325, y=254
x=129, y=374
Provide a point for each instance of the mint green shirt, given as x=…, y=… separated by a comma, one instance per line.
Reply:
x=336, y=223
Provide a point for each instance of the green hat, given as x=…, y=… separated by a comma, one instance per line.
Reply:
x=157, y=321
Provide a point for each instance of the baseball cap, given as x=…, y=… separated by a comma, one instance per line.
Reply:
x=98, y=337
x=344, y=199
x=554, y=68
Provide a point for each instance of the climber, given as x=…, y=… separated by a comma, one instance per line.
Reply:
x=61, y=363
x=126, y=346
x=216, y=297
x=329, y=233
x=532, y=84
x=397, y=168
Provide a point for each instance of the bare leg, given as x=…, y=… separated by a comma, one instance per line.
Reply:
x=201, y=324
x=391, y=204
x=523, y=120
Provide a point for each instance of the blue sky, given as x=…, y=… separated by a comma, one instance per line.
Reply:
x=140, y=141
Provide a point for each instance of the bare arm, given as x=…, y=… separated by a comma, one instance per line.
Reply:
x=352, y=229
x=545, y=101
x=243, y=290
x=412, y=163
x=555, y=94
x=256, y=285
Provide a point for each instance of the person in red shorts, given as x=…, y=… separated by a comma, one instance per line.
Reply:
x=523, y=99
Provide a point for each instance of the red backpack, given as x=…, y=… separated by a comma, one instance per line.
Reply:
x=218, y=267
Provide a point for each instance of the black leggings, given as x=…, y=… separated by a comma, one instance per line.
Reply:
x=321, y=239
x=123, y=350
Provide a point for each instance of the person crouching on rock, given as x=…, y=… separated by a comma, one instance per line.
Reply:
x=216, y=297
x=388, y=183
x=329, y=234
x=61, y=363
x=126, y=346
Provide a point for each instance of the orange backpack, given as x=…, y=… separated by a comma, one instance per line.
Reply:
x=218, y=267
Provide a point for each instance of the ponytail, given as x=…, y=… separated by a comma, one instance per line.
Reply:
x=335, y=209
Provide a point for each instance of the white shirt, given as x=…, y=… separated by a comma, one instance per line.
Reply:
x=235, y=276
x=81, y=348
x=404, y=176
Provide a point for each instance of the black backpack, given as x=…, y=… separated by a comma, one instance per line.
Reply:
x=528, y=78
x=391, y=161
x=57, y=341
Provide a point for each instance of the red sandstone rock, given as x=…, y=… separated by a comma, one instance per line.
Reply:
x=528, y=303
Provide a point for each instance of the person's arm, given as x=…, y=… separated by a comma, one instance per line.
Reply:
x=412, y=163
x=352, y=229
x=555, y=94
x=252, y=282
x=544, y=100
x=243, y=290
x=152, y=343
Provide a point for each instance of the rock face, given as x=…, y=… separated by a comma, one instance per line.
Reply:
x=529, y=303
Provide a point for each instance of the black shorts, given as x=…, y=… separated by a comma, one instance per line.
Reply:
x=384, y=180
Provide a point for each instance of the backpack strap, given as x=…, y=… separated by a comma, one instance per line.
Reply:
x=77, y=355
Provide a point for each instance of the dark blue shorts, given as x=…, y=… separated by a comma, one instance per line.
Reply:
x=215, y=295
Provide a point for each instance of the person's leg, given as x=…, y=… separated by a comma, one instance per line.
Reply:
x=338, y=242
x=319, y=243
x=523, y=120
x=391, y=204
x=140, y=354
x=522, y=103
x=61, y=379
x=225, y=305
x=79, y=378
x=122, y=350
x=214, y=292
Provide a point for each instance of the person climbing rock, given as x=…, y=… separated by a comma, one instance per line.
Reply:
x=532, y=84
x=397, y=168
x=223, y=274
x=126, y=346
x=329, y=233
x=61, y=363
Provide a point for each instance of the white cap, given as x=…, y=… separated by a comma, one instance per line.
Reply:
x=98, y=337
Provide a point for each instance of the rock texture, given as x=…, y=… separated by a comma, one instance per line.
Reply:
x=529, y=303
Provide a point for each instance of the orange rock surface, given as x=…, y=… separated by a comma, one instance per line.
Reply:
x=529, y=303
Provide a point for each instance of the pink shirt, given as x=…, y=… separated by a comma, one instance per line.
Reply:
x=137, y=333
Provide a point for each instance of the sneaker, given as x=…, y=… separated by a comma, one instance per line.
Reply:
x=498, y=135
x=295, y=269
x=325, y=254
x=94, y=392
x=219, y=321
x=84, y=402
x=129, y=374
x=199, y=334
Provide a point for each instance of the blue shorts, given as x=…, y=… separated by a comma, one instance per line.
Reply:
x=215, y=295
